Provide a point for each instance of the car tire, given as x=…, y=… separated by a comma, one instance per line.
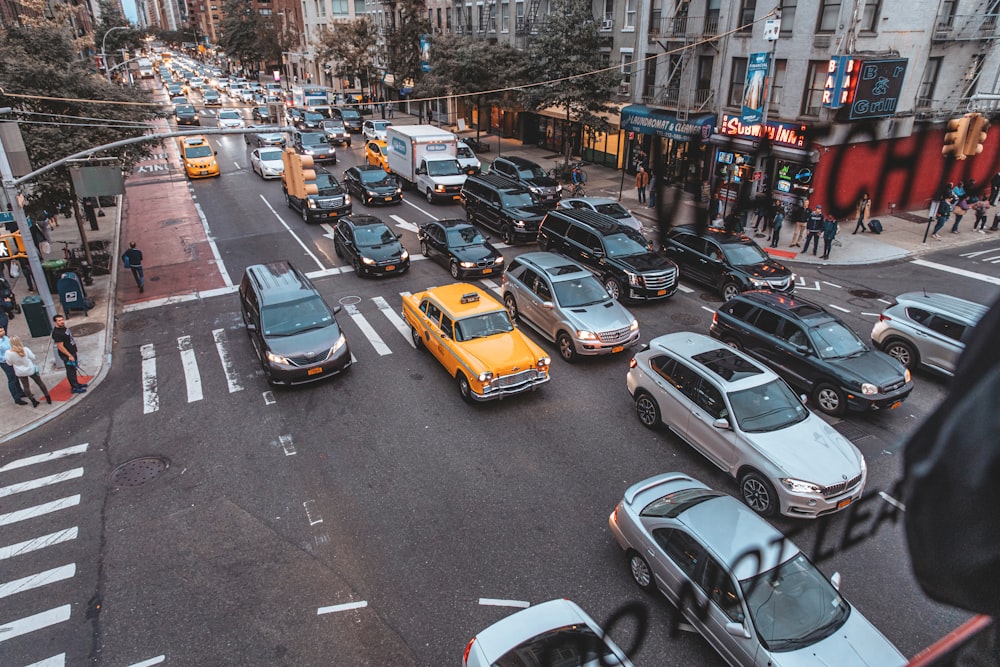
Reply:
x=511, y=306
x=902, y=352
x=614, y=288
x=508, y=235
x=430, y=196
x=729, y=291
x=829, y=399
x=567, y=350
x=453, y=268
x=641, y=573
x=418, y=342
x=357, y=266
x=464, y=388
x=337, y=251
x=305, y=213
x=758, y=493
x=647, y=410
x=348, y=144
x=288, y=200
x=423, y=249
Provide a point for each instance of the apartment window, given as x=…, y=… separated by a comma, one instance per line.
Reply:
x=322, y=7
x=430, y=16
x=829, y=15
x=748, y=8
x=655, y=11
x=947, y=12
x=629, y=15
x=359, y=7
x=812, y=101
x=649, y=85
x=925, y=95
x=505, y=17
x=609, y=10
x=627, y=58
x=712, y=17
x=737, y=79
x=870, y=16
x=788, y=8
x=264, y=11
x=777, y=82
x=447, y=18
x=339, y=8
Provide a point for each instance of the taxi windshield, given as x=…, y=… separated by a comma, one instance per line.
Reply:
x=198, y=151
x=482, y=326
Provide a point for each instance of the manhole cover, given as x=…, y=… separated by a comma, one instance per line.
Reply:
x=139, y=471
x=851, y=431
x=349, y=300
x=684, y=318
x=85, y=329
x=865, y=293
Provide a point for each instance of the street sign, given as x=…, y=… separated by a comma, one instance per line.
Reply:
x=6, y=217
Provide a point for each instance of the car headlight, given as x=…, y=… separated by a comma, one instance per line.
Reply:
x=308, y=151
x=499, y=260
x=311, y=203
x=586, y=335
x=634, y=279
x=867, y=388
x=213, y=163
x=347, y=199
x=906, y=375
x=467, y=265
x=634, y=325
x=403, y=256
x=544, y=361
x=759, y=283
x=368, y=260
x=278, y=359
x=371, y=193
x=485, y=377
x=798, y=486
x=519, y=223
x=340, y=342
x=439, y=188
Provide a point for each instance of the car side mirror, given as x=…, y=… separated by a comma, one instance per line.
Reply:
x=721, y=424
x=737, y=630
x=548, y=305
x=835, y=580
x=398, y=236
x=421, y=171
x=337, y=309
x=215, y=152
x=802, y=349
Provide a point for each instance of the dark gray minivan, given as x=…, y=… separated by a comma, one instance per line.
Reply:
x=293, y=331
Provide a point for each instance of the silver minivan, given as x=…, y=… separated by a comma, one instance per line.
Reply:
x=566, y=304
x=927, y=329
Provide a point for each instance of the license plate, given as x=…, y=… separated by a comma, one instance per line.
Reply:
x=661, y=292
x=391, y=267
x=843, y=503
x=388, y=198
x=314, y=371
x=485, y=271
x=618, y=348
x=895, y=405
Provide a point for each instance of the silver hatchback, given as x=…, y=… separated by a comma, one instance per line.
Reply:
x=926, y=329
x=566, y=304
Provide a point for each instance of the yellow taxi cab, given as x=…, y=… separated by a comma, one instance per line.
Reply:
x=198, y=157
x=377, y=153
x=471, y=334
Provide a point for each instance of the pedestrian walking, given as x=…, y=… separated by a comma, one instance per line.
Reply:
x=641, y=182
x=13, y=384
x=943, y=212
x=25, y=368
x=652, y=190
x=132, y=259
x=391, y=108
x=814, y=227
x=799, y=215
x=66, y=346
x=959, y=211
x=958, y=191
x=381, y=106
x=862, y=211
x=830, y=229
x=980, y=208
x=995, y=189
x=779, y=219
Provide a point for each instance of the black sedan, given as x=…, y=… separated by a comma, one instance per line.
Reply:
x=185, y=114
x=261, y=115
x=458, y=246
x=372, y=185
x=371, y=247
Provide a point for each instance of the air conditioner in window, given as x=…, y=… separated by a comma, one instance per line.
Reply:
x=624, y=88
x=607, y=24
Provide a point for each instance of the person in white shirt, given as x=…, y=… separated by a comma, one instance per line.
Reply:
x=23, y=361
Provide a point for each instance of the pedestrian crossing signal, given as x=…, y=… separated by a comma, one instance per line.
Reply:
x=975, y=134
x=954, y=139
x=11, y=246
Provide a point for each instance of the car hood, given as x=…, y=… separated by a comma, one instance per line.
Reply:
x=650, y=261
x=857, y=643
x=872, y=366
x=306, y=344
x=453, y=179
x=379, y=189
x=536, y=212
x=474, y=253
x=768, y=269
x=606, y=316
x=381, y=253
x=542, y=181
x=503, y=353
x=811, y=451
x=273, y=164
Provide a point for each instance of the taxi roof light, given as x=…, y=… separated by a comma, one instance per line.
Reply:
x=470, y=297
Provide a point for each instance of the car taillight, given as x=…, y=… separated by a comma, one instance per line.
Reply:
x=468, y=648
x=884, y=318
x=715, y=317
x=632, y=363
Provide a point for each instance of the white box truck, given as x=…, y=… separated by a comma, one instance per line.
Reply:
x=427, y=158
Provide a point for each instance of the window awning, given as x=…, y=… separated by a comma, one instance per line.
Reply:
x=560, y=114
x=650, y=120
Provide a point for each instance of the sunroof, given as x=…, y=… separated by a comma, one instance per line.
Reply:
x=727, y=365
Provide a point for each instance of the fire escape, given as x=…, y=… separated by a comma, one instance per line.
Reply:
x=488, y=18
x=527, y=25
x=678, y=88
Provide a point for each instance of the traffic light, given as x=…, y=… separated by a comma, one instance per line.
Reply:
x=975, y=134
x=299, y=175
x=309, y=186
x=954, y=139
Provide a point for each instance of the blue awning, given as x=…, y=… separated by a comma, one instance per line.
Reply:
x=648, y=120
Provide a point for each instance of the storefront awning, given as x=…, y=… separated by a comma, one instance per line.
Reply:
x=560, y=114
x=649, y=120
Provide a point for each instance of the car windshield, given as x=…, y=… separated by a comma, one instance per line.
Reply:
x=743, y=254
x=794, y=605
x=443, y=168
x=582, y=291
x=481, y=326
x=380, y=125
x=369, y=236
x=198, y=151
x=531, y=172
x=767, y=407
x=614, y=209
x=569, y=646
x=349, y=114
x=375, y=177
x=517, y=200
x=464, y=236
x=313, y=117
x=465, y=152
x=185, y=110
x=622, y=245
x=229, y=114
x=314, y=139
x=333, y=126
x=292, y=317
x=834, y=340
x=268, y=156
x=327, y=185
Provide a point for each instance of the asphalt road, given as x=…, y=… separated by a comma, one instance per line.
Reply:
x=375, y=519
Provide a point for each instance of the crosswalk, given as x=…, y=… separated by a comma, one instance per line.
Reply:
x=38, y=490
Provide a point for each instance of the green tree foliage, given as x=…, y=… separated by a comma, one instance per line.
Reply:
x=57, y=101
x=347, y=45
x=248, y=36
x=402, y=44
x=112, y=17
x=566, y=52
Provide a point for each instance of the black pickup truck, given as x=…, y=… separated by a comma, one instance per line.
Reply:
x=332, y=201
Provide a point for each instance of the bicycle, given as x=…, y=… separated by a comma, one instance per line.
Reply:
x=579, y=190
x=563, y=172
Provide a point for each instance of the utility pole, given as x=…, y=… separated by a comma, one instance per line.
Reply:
x=104, y=43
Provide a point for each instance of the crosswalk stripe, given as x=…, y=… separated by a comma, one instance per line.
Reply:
x=37, y=580
x=23, y=626
x=956, y=271
x=42, y=458
x=150, y=397
x=396, y=320
x=38, y=510
x=232, y=378
x=490, y=285
x=54, y=661
x=367, y=330
x=38, y=543
x=190, y=363
x=21, y=487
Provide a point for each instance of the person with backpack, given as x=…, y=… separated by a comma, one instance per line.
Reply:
x=132, y=259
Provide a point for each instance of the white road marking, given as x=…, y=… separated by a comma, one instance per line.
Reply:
x=801, y=284
x=23, y=626
x=40, y=482
x=37, y=580
x=38, y=543
x=892, y=501
x=332, y=271
x=54, y=661
x=957, y=272
x=884, y=301
x=329, y=230
x=843, y=310
x=826, y=282
x=684, y=288
x=150, y=396
x=711, y=310
x=42, y=458
x=408, y=226
x=977, y=253
x=871, y=314
x=39, y=510
x=190, y=364
x=148, y=663
x=289, y=229
x=215, y=249
x=179, y=298
x=313, y=520
x=286, y=444
x=269, y=398
x=367, y=330
x=493, y=602
x=427, y=213
x=232, y=377
x=492, y=286
x=341, y=607
x=396, y=320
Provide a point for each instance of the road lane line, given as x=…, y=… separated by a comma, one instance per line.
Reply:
x=178, y=299
x=313, y=519
x=54, y=661
x=150, y=396
x=39, y=482
x=711, y=310
x=38, y=510
x=427, y=213
x=37, y=580
x=367, y=330
x=408, y=226
x=491, y=285
x=190, y=364
x=835, y=307
x=341, y=607
x=23, y=626
x=395, y=319
x=42, y=458
x=232, y=377
x=38, y=543
x=294, y=235
x=827, y=282
x=684, y=288
x=957, y=272
x=150, y=662
x=493, y=602
x=215, y=249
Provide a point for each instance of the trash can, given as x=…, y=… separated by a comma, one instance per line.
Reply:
x=53, y=270
x=34, y=314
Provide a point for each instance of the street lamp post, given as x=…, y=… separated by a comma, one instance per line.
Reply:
x=104, y=42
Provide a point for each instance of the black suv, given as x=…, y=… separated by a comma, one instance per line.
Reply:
x=332, y=200
x=530, y=175
x=727, y=261
x=506, y=208
x=620, y=256
x=371, y=247
x=813, y=350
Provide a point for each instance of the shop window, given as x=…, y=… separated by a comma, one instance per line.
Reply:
x=788, y=8
x=812, y=100
x=748, y=8
x=829, y=16
x=737, y=80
